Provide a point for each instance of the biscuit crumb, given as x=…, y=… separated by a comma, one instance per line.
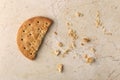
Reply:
x=93, y=50
x=98, y=21
x=55, y=33
x=73, y=45
x=57, y=52
x=90, y=60
x=60, y=44
x=78, y=14
x=66, y=51
x=73, y=34
x=69, y=24
x=60, y=67
x=82, y=44
x=86, y=40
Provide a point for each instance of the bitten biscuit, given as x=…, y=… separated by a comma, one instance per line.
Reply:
x=31, y=34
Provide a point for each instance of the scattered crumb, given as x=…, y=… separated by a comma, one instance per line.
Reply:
x=69, y=24
x=60, y=67
x=98, y=21
x=85, y=56
x=57, y=52
x=73, y=45
x=93, y=50
x=73, y=34
x=82, y=44
x=78, y=14
x=90, y=60
x=60, y=44
x=86, y=40
x=66, y=51
x=55, y=33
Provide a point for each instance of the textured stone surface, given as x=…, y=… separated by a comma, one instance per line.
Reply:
x=14, y=66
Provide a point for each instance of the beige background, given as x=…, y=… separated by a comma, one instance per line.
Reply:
x=14, y=66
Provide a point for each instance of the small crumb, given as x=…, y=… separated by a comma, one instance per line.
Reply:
x=98, y=21
x=90, y=60
x=93, y=50
x=78, y=14
x=82, y=44
x=86, y=40
x=60, y=67
x=73, y=45
x=85, y=56
x=60, y=44
x=66, y=51
x=55, y=33
x=57, y=52
x=73, y=34
x=69, y=24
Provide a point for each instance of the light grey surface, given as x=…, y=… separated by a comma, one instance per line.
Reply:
x=14, y=66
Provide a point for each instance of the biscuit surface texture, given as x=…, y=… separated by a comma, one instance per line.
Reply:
x=30, y=35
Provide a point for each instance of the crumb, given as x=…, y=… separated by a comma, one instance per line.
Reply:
x=60, y=44
x=78, y=14
x=82, y=44
x=90, y=60
x=73, y=34
x=73, y=45
x=60, y=67
x=69, y=24
x=55, y=33
x=85, y=56
x=57, y=52
x=66, y=51
x=93, y=50
x=86, y=40
x=98, y=21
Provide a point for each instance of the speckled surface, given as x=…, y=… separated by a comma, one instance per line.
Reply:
x=14, y=66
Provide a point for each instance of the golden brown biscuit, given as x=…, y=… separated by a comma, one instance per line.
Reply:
x=31, y=34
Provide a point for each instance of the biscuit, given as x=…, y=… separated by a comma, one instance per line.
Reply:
x=30, y=35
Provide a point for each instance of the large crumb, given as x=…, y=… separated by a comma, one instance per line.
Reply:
x=57, y=52
x=90, y=60
x=60, y=44
x=60, y=67
x=73, y=34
